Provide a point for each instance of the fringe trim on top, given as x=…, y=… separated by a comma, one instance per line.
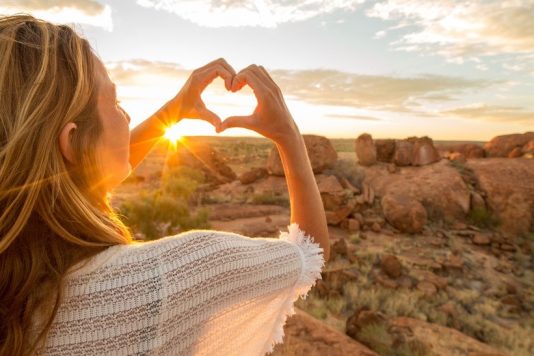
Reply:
x=312, y=261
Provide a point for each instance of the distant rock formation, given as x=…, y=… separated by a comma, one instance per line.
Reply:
x=321, y=153
x=365, y=150
x=504, y=146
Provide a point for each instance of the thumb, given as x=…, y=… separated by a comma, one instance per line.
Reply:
x=236, y=121
x=209, y=116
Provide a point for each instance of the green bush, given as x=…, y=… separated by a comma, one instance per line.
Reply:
x=161, y=211
x=483, y=218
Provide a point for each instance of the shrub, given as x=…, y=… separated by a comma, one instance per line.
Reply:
x=483, y=218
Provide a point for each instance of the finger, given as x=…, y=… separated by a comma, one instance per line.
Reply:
x=208, y=115
x=209, y=74
x=236, y=121
x=223, y=63
x=268, y=78
x=250, y=79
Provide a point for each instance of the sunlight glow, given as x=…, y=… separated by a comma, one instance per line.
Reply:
x=173, y=133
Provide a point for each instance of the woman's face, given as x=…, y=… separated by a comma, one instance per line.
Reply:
x=113, y=149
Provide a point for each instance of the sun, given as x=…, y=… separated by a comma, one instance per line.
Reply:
x=173, y=133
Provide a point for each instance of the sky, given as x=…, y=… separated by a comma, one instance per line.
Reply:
x=451, y=70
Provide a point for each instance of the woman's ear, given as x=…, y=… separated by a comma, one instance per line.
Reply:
x=65, y=142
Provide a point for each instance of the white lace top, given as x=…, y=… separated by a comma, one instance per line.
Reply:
x=202, y=292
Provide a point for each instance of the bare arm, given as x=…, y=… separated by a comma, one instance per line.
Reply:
x=273, y=120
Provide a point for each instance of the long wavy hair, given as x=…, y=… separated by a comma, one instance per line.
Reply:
x=53, y=214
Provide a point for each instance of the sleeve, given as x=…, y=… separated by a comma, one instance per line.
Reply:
x=228, y=294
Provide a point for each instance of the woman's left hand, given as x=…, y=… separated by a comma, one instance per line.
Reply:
x=188, y=103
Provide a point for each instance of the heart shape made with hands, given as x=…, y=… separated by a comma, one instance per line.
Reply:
x=226, y=103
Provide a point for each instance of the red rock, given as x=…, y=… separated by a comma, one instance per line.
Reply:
x=528, y=148
x=305, y=335
x=480, y=239
x=391, y=266
x=502, y=146
x=466, y=150
x=403, y=153
x=427, y=288
x=365, y=150
x=385, y=281
x=405, y=282
x=439, y=185
x=477, y=202
x=457, y=157
x=354, y=225
x=320, y=151
x=509, y=189
x=404, y=212
x=253, y=175
x=335, y=217
x=376, y=227
x=516, y=153
x=392, y=168
x=385, y=149
x=340, y=247
x=424, y=152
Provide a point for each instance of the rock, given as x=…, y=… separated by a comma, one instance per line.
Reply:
x=320, y=151
x=201, y=156
x=477, y=202
x=362, y=318
x=348, y=185
x=305, y=335
x=391, y=266
x=440, y=186
x=335, y=217
x=516, y=153
x=376, y=227
x=528, y=148
x=385, y=149
x=340, y=247
x=386, y=281
x=435, y=339
x=449, y=308
x=328, y=184
x=365, y=150
x=481, y=240
x=405, y=282
x=253, y=175
x=509, y=191
x=392, y=168
x=466, y=150
x=502, y=146
x=427, y=288
x=457, y=157
x=404, y=212
x=424, y=152
x=454, y=262
x=403, y=153
x=353, y=225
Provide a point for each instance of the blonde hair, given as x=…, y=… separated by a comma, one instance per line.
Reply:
x=52, y=214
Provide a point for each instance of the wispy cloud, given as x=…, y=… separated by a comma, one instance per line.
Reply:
x=234, y=13
x=511, y=114
x=89, y=12
x=463, y=31
x=354, y=117
x=398, y=94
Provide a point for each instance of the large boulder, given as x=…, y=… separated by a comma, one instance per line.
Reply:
x=439, y=187
x=385, y=149
x=305, y=335
x=424, y=152
x=403, y=153
x=365, y=150
x=509, y=189
x=202, y=156
x=502, y=146
x=404, y=212
x=320, y=151
x=467, y=150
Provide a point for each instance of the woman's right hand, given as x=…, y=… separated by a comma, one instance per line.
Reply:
x=271, y=118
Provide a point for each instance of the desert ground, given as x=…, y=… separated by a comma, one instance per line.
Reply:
x=432, y=242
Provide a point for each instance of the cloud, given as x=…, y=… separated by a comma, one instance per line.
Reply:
x=399, y=94
x=462, y=31
x=353, y=117
x=317, y=87
x=261, y=13
x=89, y=12
x=511, y=114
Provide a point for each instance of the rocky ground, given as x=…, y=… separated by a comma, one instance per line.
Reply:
x=432, y=243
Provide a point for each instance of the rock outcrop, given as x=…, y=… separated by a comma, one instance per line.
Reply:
x=321, y=153
x=502, y=146
x=404, y=212
x=424, y=152
x=365, y=150
x=509, y=188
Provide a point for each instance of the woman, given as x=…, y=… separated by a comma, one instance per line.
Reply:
x=71, y=279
